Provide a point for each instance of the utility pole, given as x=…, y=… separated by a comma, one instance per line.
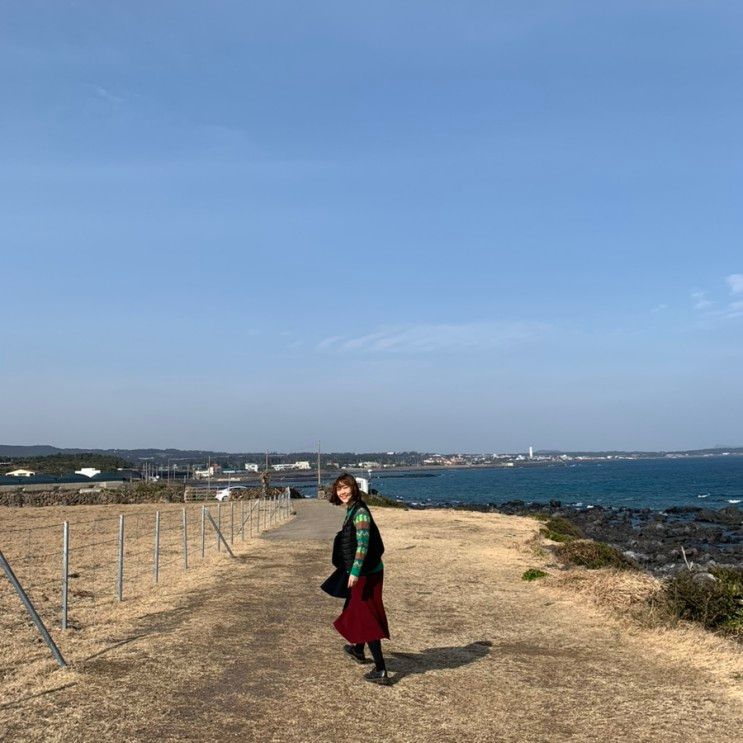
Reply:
x=319, y=479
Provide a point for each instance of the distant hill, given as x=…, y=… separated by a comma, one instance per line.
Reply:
x=40, y=450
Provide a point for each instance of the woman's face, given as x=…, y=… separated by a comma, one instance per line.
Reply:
x=345, y=493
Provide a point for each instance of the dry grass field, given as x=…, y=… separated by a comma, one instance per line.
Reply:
x=248, y=652
x=31, y=541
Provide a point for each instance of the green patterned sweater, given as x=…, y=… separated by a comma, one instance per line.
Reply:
x=362, y=525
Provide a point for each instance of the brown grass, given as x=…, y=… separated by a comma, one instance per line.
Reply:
x=476, y=654
x=31, y=541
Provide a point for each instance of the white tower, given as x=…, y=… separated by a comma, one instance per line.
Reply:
x=531, y=453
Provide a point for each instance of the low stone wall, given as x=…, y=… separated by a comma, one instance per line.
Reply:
x=47, y=487
x=131, y=494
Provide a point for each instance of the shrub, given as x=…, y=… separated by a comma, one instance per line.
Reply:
x=716, y=604
x=533, y=574
x=538, y=515
x=559, y=529
x=593, y=555
x=374, y=499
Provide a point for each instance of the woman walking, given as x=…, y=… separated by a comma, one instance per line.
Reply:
x=357, y=551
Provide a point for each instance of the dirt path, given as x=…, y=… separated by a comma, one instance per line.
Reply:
x=476, y=653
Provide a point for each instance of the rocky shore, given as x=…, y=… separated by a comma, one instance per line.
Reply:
x=653, y=539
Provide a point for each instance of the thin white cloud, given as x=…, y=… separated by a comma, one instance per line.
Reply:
x=735, y=282
x=699, y=298
x=713, y=311
x=659, y=308
x=436, y=337
x=328, y=342
x=107, y=95
x=733, y=310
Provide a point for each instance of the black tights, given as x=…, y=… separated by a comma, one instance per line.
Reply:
x=375, y=647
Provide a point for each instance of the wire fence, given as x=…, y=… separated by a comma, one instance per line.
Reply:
x=76, y=572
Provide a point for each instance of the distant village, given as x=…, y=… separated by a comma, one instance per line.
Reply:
x=101, y=468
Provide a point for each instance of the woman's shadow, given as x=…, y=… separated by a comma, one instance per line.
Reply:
x=436, y=659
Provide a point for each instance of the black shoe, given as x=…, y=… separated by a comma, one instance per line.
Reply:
x=359, y=657
x=378, y=677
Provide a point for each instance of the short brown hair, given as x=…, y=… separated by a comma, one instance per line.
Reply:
x=344, y=479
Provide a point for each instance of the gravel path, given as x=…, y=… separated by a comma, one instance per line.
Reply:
x=316, y=520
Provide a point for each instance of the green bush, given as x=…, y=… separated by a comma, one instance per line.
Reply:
x=559, y=529
x=538, y=515
x=593, y=555
x=380, y=500
x=533, y=574
x=715, y=604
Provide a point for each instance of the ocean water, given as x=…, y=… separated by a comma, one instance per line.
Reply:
x=710, y=482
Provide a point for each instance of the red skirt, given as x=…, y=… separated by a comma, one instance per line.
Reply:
x=363, y=618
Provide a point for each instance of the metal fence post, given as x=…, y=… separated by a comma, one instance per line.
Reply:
x=156, y=564
x=65, y=570
x=219, y=524
x=185, y=540
x=120, y=576
x=232, y=522
x=219, y=534
x=5, y=565
x=242, y=521
x=203, y=530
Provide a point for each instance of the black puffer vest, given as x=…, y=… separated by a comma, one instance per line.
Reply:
x=344, y=545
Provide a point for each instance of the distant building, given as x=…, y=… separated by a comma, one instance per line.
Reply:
x=201, y=473
x=292, y=466
x=531, y=453
x=88, y=471
x=250, y=467
x=20, y=473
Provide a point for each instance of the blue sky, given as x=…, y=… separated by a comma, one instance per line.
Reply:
x=440, y=226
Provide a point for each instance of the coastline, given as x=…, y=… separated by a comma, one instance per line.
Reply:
x=652, y=539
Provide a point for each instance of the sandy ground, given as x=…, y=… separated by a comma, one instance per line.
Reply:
x=476, y=653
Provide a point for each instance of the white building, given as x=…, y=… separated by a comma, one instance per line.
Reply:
x=204, y=472
x=250, y=467
x=20, y=473
x=88, y=471
x=293, y=466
